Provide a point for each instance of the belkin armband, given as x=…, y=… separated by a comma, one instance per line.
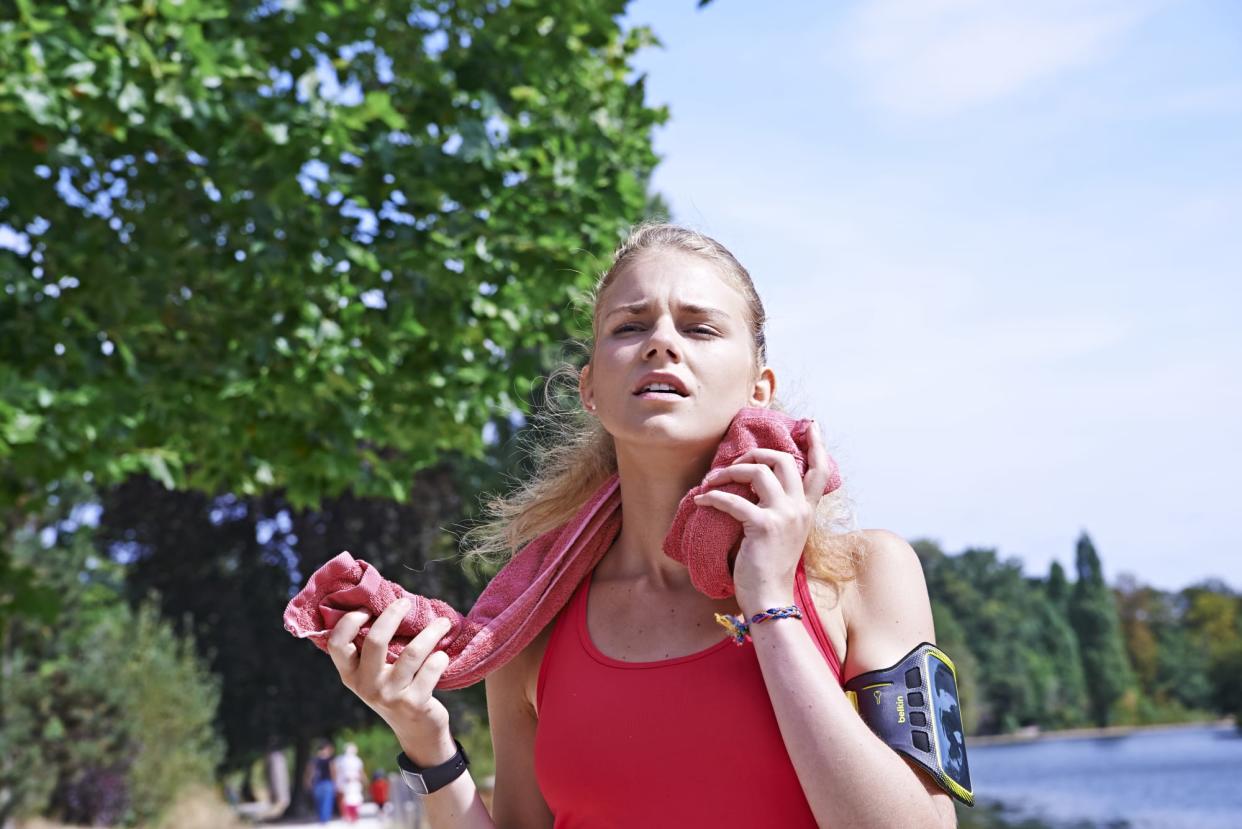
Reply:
x=913, y=707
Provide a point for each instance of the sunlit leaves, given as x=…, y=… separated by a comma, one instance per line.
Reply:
x=293, y=245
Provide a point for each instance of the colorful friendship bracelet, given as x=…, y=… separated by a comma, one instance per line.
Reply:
x=739, y=628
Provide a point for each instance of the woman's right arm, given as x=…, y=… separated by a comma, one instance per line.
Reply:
x=401, y=694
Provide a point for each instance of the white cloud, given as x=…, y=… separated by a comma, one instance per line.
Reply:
x=935, y=57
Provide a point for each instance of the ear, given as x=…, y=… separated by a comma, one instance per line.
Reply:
x=764, y=388
x=585, y=392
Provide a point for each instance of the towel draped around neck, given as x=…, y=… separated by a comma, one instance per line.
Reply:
x=539, y=580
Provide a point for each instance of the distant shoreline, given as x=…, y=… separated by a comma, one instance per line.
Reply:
x=1034, y=735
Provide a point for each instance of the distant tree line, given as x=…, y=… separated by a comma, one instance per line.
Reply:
x=1055, y=653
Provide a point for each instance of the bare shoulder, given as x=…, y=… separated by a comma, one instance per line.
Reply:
x=890, y=563
x=886, y=609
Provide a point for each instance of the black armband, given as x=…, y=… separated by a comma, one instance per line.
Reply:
x=913, y=707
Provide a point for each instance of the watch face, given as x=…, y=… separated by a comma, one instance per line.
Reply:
x=415, y=781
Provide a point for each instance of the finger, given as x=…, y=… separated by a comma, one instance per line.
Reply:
x=415, y=653
x=819, y=465
x=341, y=640
x=783, y=464
x=375, y=646
x=730, y=504
x=759, y=476
x=429, y=674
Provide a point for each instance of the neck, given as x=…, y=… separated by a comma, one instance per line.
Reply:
x=651, y=488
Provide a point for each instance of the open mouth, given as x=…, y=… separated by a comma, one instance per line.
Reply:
x=658, y=390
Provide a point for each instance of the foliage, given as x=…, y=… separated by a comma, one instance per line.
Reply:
x=171, y=712
x=1226, y=673
x=1176, y=658
x=1170, y=661
x=1214, y=614
x=1093, y=614
x=106, y=714
x=300, y=253
x=1026, y=653
x=345, y=232
x=225, y=568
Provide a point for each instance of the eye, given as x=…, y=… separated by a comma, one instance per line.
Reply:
x=700, y=330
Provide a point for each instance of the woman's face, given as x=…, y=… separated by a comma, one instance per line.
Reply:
x=669, y=318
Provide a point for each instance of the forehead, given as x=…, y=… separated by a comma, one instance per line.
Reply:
x=673, y=278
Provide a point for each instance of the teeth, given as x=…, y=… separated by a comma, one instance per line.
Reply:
x=659, y=387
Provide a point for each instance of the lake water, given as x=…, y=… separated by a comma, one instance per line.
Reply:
x=1166, y=779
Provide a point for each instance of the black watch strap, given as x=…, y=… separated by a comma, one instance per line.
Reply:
x=426, y=781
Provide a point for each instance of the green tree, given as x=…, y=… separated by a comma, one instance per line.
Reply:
x=224, y=568
x=1214, y=622
x=1093, y=615
x=1184, y=664
x=304, y=247
x=1226, y=675
x=1058, y=587
x=1135, y=606
x=1006, y=623
x=106, y=714
x=301, y=252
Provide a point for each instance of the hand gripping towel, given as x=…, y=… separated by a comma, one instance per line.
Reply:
x=538, y=581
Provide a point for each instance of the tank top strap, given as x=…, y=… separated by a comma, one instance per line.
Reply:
x=814, y=625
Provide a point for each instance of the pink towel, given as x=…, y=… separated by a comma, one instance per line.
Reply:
x=538, y=581
x=705, y=539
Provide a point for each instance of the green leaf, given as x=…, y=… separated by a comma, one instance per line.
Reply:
x=379, y=105
x=22, y=427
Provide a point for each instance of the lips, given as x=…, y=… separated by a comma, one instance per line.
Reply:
x=663, y=382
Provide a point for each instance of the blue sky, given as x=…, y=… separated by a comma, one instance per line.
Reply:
x=1000, y=245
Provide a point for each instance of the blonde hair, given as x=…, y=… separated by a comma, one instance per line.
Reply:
x=571, y=455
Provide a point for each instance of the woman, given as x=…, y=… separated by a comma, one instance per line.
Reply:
x=678, y=350
x=350, y=776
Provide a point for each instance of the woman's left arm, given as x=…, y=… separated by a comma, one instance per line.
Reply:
x=850, y=777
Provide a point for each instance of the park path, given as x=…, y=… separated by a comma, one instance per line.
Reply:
x=364, y=821
x=361, y=823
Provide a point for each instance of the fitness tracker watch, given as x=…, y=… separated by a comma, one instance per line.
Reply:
x=426, y=781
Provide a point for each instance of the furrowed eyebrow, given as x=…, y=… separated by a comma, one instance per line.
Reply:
x=634, y=308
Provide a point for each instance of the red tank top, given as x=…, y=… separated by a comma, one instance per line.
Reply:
x=688, y=741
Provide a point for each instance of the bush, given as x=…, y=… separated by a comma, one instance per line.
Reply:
x=120, y=720
x=106, y=714
x=171, y=711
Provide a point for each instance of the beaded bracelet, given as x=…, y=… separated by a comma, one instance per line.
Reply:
x=739, y=628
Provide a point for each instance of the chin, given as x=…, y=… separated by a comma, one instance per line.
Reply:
x=672, y=429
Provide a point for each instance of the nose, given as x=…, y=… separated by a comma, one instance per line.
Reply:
x=663, y=338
